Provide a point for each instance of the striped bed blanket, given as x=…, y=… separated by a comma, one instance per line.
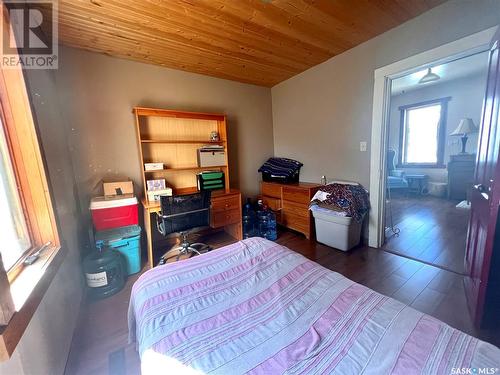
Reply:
x=259, y=308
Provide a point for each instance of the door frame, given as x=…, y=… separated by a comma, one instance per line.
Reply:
x=469, y=45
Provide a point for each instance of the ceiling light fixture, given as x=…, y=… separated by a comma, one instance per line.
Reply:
x=429, y=77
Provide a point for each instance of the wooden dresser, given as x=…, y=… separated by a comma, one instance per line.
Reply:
x=291, y=204
x=460, y=175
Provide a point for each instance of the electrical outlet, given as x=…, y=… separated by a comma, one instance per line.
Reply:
x=362, y=146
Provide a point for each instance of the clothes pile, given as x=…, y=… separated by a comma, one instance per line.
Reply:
x=345, y=199
x=281, y=168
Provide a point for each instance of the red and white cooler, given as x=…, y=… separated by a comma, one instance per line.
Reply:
x=114, y=212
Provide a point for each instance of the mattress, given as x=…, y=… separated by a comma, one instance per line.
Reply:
x=257, y=307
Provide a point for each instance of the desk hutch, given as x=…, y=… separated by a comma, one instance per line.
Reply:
x=173, y=138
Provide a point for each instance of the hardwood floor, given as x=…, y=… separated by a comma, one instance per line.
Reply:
x=100, y=343
x=432, y=229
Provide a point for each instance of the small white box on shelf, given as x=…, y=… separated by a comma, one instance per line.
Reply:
x=153, y=166
x=155, y=195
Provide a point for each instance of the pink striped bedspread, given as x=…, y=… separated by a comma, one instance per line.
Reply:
x=259, y=308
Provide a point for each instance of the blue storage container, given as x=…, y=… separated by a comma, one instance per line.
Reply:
x=126, y=240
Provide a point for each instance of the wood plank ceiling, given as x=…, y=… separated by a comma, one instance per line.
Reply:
x=262, y=42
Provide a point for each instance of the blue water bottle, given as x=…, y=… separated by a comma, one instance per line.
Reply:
x=263, y=223
x=248, y=220
x=271, y=233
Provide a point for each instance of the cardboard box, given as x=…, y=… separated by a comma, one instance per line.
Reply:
x=118, y=188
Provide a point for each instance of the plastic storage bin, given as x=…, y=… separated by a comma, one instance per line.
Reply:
x=340, y=232
x=437, y=189
x=119, y=211
x=126, y=240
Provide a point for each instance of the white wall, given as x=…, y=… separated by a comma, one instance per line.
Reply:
x=467, y=96
x=321, y=115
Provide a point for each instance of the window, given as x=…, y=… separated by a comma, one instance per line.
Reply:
x=422, y=134
x=13, y=228
x=27, y=220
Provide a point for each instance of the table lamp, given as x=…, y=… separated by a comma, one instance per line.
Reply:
x=466, y=126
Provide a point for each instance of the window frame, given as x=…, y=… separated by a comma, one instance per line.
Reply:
x=441, y=141
x=23, y=287
x=15, y=269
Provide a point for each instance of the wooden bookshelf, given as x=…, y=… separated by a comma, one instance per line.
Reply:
x=173, y=138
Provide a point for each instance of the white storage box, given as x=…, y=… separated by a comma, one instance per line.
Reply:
x=211, y=158
x=437, y=189
x=154, y=195
x=153, y=166
x=340, y=232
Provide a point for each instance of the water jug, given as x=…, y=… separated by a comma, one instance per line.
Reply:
x=105, y=272
x=263, y=220
x=271, y=233
x=248, y=220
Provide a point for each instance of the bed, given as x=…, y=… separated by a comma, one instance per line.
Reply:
x=257, y=307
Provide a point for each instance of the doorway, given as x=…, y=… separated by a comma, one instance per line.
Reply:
x=462, y=48
x=432, y=136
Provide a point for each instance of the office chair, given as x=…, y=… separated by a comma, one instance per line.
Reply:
x=183, y=215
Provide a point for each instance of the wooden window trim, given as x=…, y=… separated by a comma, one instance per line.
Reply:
x=23, y=287
x=11, y=334
x=441, y=133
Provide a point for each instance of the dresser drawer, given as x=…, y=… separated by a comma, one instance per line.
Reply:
x=271, y=202
x=296, y=222
x=226, y=204
x=296, y=195
x=298, y=209
x=223, y=218
x=461, y=165
x=271, y=190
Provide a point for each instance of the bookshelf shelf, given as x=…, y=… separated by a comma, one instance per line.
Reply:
x=166, y=170
x=184, y=141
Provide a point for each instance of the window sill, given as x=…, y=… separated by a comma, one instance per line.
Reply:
x=27, y=291
x=421, y=166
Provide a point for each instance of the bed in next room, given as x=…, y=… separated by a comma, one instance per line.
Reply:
x=257, y=307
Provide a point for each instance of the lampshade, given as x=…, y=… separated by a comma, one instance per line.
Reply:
x=429, y=77
x=466, y=126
